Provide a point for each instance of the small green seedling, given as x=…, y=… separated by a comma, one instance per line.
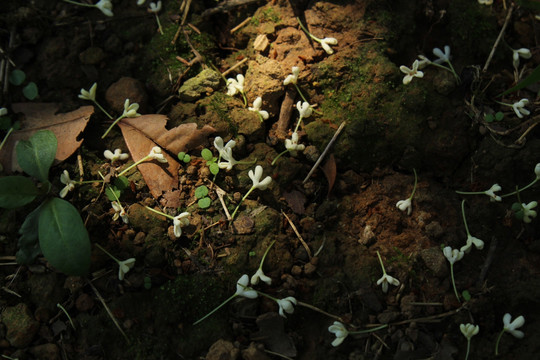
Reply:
x=498, y=116
x=30, y=90
x=182, y=156
x=115, y=191
x=201, y=193
x=211, y=161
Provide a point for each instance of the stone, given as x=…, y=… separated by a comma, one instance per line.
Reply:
x=92, y=56
x=20, y=325
x=435, y=261
x=127, y=88
x=196, y=87
x=254, y=353
x=261, y=43
x=45, y=352
x=222, y=350
x=45, y=290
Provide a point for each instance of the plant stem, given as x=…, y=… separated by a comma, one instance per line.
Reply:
x=108, y=253
x=160, y=213
x=5, y=137
x=78, y=3
x=67, y=314
x=307, y=32
x=304, y=98
x=216, y=309
x=415, y=183
x=464, y=219
x=266, y=253
x=522, y=189
x=382, y=265
x=241, y=201
x=497, y=343
x=244, y=97
x=453, y=281
x=102, y=109
x=133, y=165
x=368, y=330
x=112, y=125
x=468, y=349
x=159, y=24
x=277, y=157
x=298, y=124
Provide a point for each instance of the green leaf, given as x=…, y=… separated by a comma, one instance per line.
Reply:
x=214, y=168
x=187, y=158
x=499, y=116
x=63, y=237
x=529, y=80
x=181, y=155
x=466, y=295
x=111, y=191
x=36, y=155
x=204, y=203
x=488, y=118
x=201, y=192
x=17, y=77
x=207, y=154
x=29, y=241
x=30, y=91
x=122, y=183
x=16, y=191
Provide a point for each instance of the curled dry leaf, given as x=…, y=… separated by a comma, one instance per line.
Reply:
x=42, y=116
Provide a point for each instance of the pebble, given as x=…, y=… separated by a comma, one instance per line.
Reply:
x=222, y=350
x=21, y=327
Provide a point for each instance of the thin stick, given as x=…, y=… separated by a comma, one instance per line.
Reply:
x=220, y=192
x=319, y=160
x=508, y=15
x=234, y=67
x=108, y=310
x=298, y=235
x=309, y=306
x=240, y=25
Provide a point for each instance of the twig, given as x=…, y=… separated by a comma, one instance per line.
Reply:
x=277, y=354
x=487, y=263
x=234, y=67
x=508, y=15
x=186, y=11
x=240, y=25
x=319, y=160
x=220, y=194
x=285, y=113
x=198, y=56
x=311, y=307
x=298, y=235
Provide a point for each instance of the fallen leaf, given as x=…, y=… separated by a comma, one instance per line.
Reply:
x=296, y=200
x=42, y=116
x=329, y=169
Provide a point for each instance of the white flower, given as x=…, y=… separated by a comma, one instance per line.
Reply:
x=66, y=180
x=424, y=61
x=452, y=255
x=292, y=144
x=485, y=2
x=512, y=326
x=260, y=275
x=119, y=211
x=179, y=221
x=234, y=86
x=537, y=170
x=117, y=155
x=155, y=8
x=304, y=109
x=218, y=144
x=130, y=111
x=326, y=42
x=385, y=280
x=90, y=94
x=242, y=288
x=442, y=57
x=156, y=154
x=469, y=330
x=292, y=78
x=105, y=6
x=286, y=305
x=256, y=177
x=124, y=267
x=528, y=213
x=516, y=54
x=519, y=108
x=491, y=192
x=3, y=111
x=257, y=108
x=479, y=244
x=405, y=205
x=340, y=331
x=140, y=2
x=410, y=73
x=228, y=157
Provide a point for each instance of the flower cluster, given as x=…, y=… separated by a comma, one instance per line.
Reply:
x=443, y=57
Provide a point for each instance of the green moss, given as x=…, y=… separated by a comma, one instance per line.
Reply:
x=266, y=14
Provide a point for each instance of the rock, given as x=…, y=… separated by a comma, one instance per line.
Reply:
x=435, y=261
x=261, y=42
x=45, y=290
x=146, y=220
x=444, y=82
x=367, y=237
x=84, y=302
x=45, y=352
x=388, y=316
x=222, y=350
x=20, y=325
x=309, y=269
x=126, y=88
x=243, y=225
x=198, y=86
x=254, y=353
x=434, y=230
x=264, y=78
x=92, y=56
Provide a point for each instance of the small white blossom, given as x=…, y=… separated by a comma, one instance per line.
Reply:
x=304, y=109
x=119, y=211
x=491, y=192
x=140, y=2
x=469, y=330
x=257, y=108
x=485, y=2
x=442, y=57
x=179, y=221
x=292, y=78
x=124, y=267
x=229, y=162
x=340, y=331
x=155, y=8
x=3, y=111
x=479, y=244
x=292, y=144
x=242, y=288
x=90, y=94
x=130, y=110
x=410, y=73
x=537, y=171
x=528, y=213
x=256, y=178
x=105, y=6
x=259, y=275
x=452, y=255
x=286, y=305
x=66, y=180
x=235, y=86
x=326, y=42
x=385, y=280
x=405, y=205
x=512, y=326
x=424, y=61
x=218, y=144
x=117, y=155
x=519, y=108
x=157, y=154
x=516, y=54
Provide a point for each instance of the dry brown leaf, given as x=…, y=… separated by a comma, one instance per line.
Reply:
x=42, y=116
x=142, y=133
x=330, y=171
